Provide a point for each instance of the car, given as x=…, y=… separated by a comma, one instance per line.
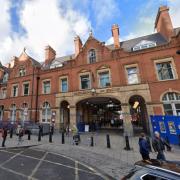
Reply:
x=154, y=170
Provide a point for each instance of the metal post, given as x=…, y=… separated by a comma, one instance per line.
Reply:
x=92, y=141
x=149, y=143
x=29, y=135
x=108, y=141
x=63, y=138
x=168, y=144
x=127, y=143
x=11, y=132
x=50, y=136
x=39, y=135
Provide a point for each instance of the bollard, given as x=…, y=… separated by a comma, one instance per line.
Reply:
x=149, y=143
x=167, y=144
x=179, y=139
x=108, y=141
x=11, y=132
x=92, y=141
x=127, y=143
x=50, y=137
x=29, y=135
x=39, y=135
x=63, y=138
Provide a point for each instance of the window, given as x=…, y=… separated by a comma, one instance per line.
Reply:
x=165, y=71
x=85, y=81
x=24, y=113
x=13, y=113
x=46, y=112
x=5, y=77
x=15, y=91
x=22, y=72
x=171, y=103
x=1, y=112
x=64, y=85
x=3, y=93
x=46, y=87
x=26, y=89
x=104, y=79
x=132, y=74
x=144, y=44
x=92, y=56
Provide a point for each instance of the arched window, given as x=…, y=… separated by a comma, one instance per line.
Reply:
x=1, y=112
x=92, y=56
x=13, y=113
x=46, y=112
x=24, y=113
x=171, y=103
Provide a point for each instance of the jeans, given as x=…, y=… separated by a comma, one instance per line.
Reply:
x=161, y=156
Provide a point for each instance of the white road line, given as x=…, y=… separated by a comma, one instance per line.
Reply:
x=11, y=158
x=76, y=171
x=15, y=172
x=37, y=166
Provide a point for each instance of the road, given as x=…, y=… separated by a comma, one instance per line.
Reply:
x=26, y=163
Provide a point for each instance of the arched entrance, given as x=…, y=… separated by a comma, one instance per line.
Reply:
x=100, y=113
x=64, y=115
x=139, y=114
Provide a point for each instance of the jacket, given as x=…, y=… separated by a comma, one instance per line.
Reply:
x=158, y=145
x=143, y=146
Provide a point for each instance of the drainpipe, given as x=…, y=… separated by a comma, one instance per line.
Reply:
x=32, y=93
x=37, y=95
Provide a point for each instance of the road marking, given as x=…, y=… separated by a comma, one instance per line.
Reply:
x=37, y=166
x=11, y=158
x=76, y=171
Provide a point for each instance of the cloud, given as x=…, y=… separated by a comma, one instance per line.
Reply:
x=105, y=10
x=44, y=23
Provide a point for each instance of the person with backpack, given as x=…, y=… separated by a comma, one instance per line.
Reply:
x=4, y=135
x=144, y=147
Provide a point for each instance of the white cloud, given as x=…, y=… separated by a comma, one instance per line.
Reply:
x=44, y=23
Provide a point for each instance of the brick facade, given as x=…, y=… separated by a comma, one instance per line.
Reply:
x=113, y=59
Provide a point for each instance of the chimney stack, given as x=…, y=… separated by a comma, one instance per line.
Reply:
x=50, y=54
x=163, y=23
x=115, y=34
x=78, y=45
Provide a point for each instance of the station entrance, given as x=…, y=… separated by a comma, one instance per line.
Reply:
x=100, y=113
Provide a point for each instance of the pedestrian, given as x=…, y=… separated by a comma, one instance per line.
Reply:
x=4, y=135
x=144, y=147
x=159, y=146
x=20, y=135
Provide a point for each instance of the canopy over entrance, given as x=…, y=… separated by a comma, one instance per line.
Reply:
x=99, y=113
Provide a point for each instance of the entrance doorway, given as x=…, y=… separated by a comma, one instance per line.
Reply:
x=100, y=113
x=139, y=114
x=64, y=115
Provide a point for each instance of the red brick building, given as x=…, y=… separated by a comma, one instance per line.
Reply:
x=99, y=84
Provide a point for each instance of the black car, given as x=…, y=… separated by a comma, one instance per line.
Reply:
x=154, y=170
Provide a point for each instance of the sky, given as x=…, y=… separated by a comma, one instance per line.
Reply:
x=34, y=24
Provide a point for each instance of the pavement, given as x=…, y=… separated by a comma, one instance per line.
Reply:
x=112, y=162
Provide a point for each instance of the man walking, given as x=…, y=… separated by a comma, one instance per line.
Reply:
x=4, y=135
x=158, y=145
x=144, y=147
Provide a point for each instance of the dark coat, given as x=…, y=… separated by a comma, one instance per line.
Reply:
x=158, y=145
x=143, y=146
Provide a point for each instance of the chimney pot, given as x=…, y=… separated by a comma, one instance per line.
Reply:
x=50, y=54
x=115, y=34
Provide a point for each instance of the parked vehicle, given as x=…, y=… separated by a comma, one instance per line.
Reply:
x=154, y=170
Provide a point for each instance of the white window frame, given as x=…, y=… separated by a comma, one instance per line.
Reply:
x=138, y=75
x=103, y=71
x=46, y=117
x=12, y=93
x=88, y=57
x=173, y=68
x=90, y=81
x=46, y=80
x=60, y=79
x=28, y=88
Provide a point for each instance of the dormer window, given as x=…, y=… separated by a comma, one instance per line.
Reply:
x=22, y=72
x=144, y=44
x=92, y=56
